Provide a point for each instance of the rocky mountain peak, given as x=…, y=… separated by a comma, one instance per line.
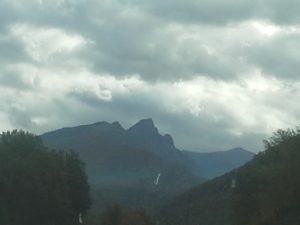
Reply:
x=117, y=125
x=145, y=126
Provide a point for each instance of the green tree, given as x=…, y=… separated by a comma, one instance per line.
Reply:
x=38, y=186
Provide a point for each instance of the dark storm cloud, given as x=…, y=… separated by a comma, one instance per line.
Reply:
x=279, y=56
x=13, y=80
x=221, y=12
x=136, y=37
x=11, y=50
x=209, y=11
x=158, y=59
x=190, y=11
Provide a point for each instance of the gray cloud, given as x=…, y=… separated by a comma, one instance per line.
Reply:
x=138, y=37
x=220, y=123
x=222, y=12
x=19, y=118
x=69, y=12
x=213, y=127
x=11, y=50
x=159, y=59
x=13, y=80
x=212, y=73
x=215, y=11
x=278, y=56
x=133, y=37
x=198, y=134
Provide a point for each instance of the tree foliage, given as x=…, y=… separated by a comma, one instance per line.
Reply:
x=39, y=186
x=268, y=188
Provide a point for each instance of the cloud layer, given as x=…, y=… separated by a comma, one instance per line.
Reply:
x=215, y=74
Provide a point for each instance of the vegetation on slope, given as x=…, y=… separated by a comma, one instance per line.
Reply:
x=263, y=192
x=268, y=188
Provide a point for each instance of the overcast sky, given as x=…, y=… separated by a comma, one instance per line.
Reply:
x=215, y=74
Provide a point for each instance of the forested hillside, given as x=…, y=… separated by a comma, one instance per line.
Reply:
x=268, y=188
x=263, y=192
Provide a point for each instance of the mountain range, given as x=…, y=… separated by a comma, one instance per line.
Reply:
x=213, y=164
x=139, y=167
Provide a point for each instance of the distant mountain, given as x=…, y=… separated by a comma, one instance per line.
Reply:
x=145, y=135
x=120, y=160
x=214, y=164
x=108, y=147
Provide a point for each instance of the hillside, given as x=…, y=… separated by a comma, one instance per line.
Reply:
x=213, y=164
x=208, y=204
x=263, y=192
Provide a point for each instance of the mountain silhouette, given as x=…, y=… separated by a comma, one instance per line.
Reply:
x=124, y=162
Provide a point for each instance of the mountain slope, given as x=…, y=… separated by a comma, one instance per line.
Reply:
x=145, y=135
x=265, y=191
x=207, y=204
x=214, y=164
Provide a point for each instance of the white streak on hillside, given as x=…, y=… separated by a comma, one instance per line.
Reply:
x=156, y=181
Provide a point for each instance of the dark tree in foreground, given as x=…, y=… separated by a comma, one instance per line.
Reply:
x=38, y=186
